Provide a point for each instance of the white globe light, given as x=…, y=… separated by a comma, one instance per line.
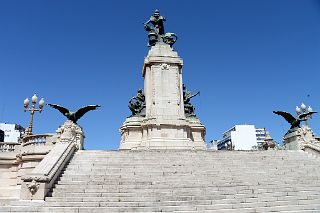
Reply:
x=34, y=98
x=41, y=102
x=26, y=102
x=298, y=111
x=303, y=107
x=310, y=109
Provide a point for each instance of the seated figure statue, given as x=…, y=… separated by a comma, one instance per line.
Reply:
x=189, y=109
x=137, y=104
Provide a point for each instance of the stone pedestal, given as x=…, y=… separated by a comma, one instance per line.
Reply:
x=165, y=125
x=131, y=133
x=70, y=131
x=297, y=139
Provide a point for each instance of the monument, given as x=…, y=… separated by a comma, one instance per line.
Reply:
x=162, y=115
x=297, y=137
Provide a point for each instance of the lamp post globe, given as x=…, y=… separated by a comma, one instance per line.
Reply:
x=26, y=102
x=298, y=110
x=303, y=107
x=34, y=98
x=41, y=104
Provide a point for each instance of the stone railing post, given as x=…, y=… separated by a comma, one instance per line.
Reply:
x=71, y=132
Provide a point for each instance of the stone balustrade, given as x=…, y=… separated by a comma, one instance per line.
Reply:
x=9, y=146
x=39, y=139
x=38, y=182
x=312, y=148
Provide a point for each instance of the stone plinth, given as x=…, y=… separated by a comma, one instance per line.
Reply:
x=165, y=125
x=131, y=133
x=291, y=141
x=185, y=134
x=295, y=140
x=70, y=131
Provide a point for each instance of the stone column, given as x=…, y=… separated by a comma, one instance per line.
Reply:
x=165, y=125
x=162, y=72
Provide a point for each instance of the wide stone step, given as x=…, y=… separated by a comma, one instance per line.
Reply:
x=213, y=198
x=130, y=203
x=150, y=162
x=157, y=196
x=196, y=177
x=167, y=186
x=189, y=167
x=119, y=167
x=259, y=207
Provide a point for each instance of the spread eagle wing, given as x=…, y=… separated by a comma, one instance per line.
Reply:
x=63, y=110
x=286, y=116
x=80, y=112
x=304, y=115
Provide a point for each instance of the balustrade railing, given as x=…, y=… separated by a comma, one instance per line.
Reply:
x=35, y=139
x=8, y=146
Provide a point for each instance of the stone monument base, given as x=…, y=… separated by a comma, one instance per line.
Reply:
x=291, y=141
x=295, y=140
x=140, y=133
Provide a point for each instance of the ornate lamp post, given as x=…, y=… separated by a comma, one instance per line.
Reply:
x=304, y=110
x=32, y=110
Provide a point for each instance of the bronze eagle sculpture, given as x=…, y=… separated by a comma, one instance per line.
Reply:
x=294, y=121
x=74, y=116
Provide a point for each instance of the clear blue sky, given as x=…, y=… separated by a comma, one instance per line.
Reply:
x=246, y=57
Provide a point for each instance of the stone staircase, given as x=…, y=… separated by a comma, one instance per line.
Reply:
x=8, y=184
x=183, y=181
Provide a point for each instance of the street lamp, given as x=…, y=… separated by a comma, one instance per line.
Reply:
x=304, y=111
x=32, y=110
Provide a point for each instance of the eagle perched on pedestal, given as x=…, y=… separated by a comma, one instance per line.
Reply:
x=74, y=116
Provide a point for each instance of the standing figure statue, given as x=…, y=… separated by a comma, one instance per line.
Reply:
x=188, y=107
x=137, y=104
x=156, y=32
x=157, y=21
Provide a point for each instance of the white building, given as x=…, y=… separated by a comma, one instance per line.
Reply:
x=12, y=132
x=261, y=136
x=242, y=137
